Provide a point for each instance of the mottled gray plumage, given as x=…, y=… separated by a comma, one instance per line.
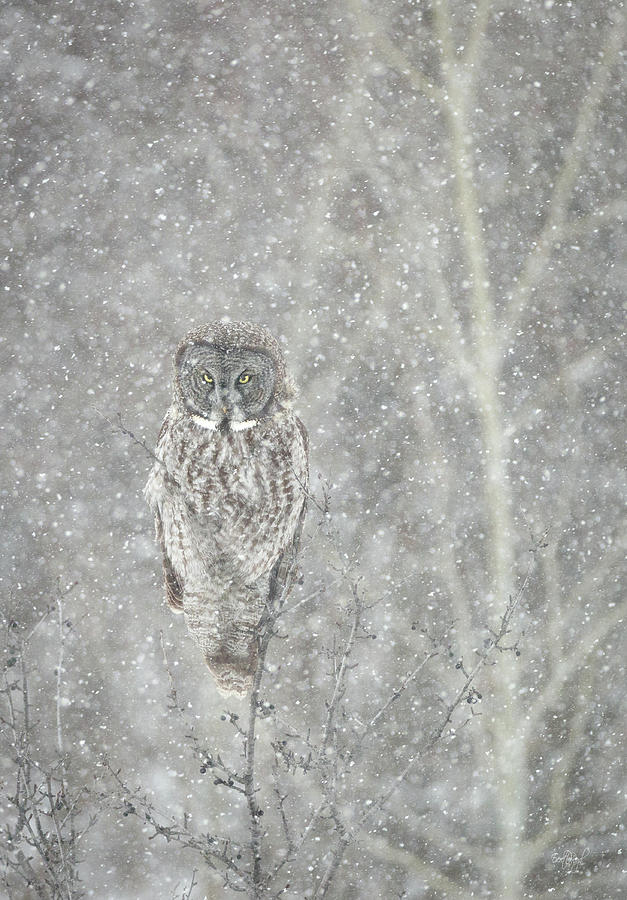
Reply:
x=229, y=491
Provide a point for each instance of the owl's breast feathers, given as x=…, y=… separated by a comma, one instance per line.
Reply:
x=230, y=502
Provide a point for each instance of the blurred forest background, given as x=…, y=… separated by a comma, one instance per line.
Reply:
x=423, y=200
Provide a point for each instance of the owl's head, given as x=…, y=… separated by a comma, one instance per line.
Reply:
x=231, y=371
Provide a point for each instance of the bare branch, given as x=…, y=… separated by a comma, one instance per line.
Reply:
x=41, y=839
x=573, y=159
x=369, y=728
x=611, y=213
x=467, y=202
x=217, y=852
x=492, y=644
x=412, y=862
x=374, y=32
x=477, y=35
x=587, y=642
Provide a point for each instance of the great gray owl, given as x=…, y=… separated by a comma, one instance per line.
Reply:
x=228, y=491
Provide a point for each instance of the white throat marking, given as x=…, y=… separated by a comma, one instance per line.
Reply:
x=243, y=426
x=209, y=424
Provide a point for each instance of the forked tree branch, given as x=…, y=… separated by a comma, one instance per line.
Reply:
x=572, y=162
x=374, y=32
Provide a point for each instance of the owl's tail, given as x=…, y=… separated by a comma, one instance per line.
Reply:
x=232, y=675
x=232, y=660
x=227, y=632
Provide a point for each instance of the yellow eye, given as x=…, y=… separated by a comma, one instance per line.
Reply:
x=243, y=379
x=207, y=377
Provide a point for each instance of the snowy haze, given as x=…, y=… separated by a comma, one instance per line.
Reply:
x=422, y=200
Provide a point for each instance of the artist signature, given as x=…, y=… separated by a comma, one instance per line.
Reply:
x=568, y=861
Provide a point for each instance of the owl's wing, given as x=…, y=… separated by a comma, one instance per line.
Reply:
x=173, y=586
x=284, y=570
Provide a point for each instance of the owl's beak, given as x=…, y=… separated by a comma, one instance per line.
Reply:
x=225, y=410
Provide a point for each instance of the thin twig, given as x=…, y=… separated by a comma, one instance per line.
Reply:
x=491, y=645
x=151, y=454
x=124, y=430
x=369, y=728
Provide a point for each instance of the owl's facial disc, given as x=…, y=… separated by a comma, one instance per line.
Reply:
x=219, y=385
